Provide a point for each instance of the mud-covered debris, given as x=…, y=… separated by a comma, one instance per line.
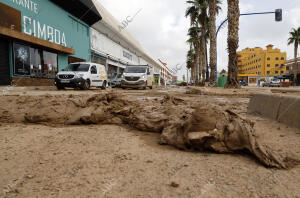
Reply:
x=204, y=127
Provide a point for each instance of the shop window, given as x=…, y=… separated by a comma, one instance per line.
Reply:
x=50, y=65
x=21, y=60
x=98, y=59
x=35, y=62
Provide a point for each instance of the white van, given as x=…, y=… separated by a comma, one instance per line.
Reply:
x=82, y=75
x=137, y=76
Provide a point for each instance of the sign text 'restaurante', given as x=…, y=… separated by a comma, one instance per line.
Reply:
x=28, y=4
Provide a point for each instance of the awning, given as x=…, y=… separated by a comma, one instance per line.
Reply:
x=7, y=32
x=85, y=10
x=116, y=63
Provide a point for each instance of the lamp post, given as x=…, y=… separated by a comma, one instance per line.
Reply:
x=278, y=18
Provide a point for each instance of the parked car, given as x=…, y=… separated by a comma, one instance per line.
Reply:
x=137, y=76
x=243, y=83
x=82, y=75
x=116, y=81
x=271, y=83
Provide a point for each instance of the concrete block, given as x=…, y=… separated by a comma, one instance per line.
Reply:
x=289, y=111
x=284, y=109
x=266, y=105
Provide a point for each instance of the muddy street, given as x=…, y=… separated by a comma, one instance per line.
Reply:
x=109, y=144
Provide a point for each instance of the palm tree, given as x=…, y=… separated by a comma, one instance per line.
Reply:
x=193, y=12
x=203, y=20
x=190, y=60
x=213, y=10
x=295, y=39
x=233, y=43
x=194, y=41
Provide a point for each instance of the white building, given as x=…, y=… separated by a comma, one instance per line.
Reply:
x=115, y=47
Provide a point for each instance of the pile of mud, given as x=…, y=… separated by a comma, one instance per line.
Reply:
x=184, y=126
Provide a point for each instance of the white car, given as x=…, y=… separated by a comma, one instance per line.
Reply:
x=82, y=75
x=137, y=76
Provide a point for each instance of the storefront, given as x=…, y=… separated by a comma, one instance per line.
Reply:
x=38, y=38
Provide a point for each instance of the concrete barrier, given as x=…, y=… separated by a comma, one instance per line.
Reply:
x=289, y=111
x=265, y=105
x=284, y=109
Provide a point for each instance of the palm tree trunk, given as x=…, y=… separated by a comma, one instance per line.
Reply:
x=203, y=39
x=212, y=38
x=295, y=69
x=203, y=57
x=233, y=42
x=206, y=60
x=200, y=62
x=197, y=63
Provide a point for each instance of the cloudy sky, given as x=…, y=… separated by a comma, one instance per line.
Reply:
x=161, y=26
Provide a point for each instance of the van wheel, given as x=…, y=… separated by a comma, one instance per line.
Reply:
x=86, y=85
x=103, y=85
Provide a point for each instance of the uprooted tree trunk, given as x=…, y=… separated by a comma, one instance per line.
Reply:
x=204, y=127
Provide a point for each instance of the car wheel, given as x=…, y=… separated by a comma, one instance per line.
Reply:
x=103, y=85
x=86, y=85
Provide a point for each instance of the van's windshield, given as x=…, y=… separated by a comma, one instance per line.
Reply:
x=78, y=67
x=135, y=69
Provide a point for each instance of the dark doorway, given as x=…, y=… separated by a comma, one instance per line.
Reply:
x=298, y=80
x=72, y=59
x=4, y=63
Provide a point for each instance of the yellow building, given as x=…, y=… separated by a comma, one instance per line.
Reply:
x=259, y=62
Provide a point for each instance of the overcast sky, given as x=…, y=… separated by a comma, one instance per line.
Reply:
x=161, y=26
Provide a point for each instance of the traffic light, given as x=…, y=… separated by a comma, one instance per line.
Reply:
x=278, y=15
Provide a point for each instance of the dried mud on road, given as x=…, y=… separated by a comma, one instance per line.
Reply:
x=110, y=145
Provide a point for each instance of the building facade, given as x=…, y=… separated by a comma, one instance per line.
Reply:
x=113, y=46
x=260, y=62
x=40, y=37
x=293, y=69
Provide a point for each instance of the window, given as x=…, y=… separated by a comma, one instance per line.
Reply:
x=277, y=58
x=276, y=72
x=50, y=64
x=268, y=58
x=268, y=65
x=93, y=70
x=21, y=60
x=287, y=68
x=277, y=65
x=34, y=62
x=281, y=72
x=268, y=72
x=282, y=65
x=282, y=58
